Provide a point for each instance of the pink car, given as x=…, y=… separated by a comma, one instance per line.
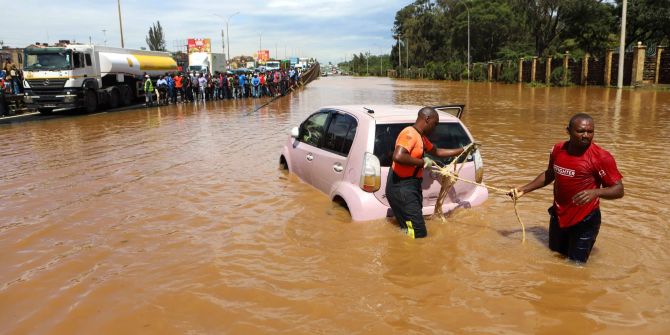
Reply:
x=345, y=151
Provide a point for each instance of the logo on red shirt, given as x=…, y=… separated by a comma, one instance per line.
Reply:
x=563, y=171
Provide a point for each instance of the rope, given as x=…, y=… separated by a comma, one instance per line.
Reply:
x=451, y=178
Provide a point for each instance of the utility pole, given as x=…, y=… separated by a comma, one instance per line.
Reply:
x=399, y=56
x=407, y=51
x=381, y=65
x=622, y=45
x=104, y=33
x=118, y=2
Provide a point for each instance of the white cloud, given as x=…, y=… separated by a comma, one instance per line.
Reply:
x=326, y=30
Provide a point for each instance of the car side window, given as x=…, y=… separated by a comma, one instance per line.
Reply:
x=313, y=129
x=340, y=134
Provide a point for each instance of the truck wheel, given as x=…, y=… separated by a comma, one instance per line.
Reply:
x=114, y=99
x=126, y=96
x=90, y=101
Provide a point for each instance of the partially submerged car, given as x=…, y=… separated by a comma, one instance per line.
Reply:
x=345, y=151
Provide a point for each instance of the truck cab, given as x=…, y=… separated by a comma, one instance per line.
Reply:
x=56, y=76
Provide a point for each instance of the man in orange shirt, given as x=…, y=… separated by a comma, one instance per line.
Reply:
x=179, y=87
x=403, y=187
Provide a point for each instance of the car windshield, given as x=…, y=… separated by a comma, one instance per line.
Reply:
x=449, y=135
x=47, y=60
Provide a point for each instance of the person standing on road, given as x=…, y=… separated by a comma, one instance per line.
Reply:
x=202, y=84
x=403, y=186
x=178, y=87
x=148, y=90
x=582, y=173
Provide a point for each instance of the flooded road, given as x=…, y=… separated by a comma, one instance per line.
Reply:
x=177, y=220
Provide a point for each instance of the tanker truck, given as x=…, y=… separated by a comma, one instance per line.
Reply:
x=72, y=76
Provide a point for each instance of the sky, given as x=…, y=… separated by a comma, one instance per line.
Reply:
x=329, y=31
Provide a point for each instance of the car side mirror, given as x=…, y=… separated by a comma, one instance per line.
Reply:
x=295, y=132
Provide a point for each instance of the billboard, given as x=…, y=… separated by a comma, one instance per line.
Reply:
x=263, y=55
x=199, y=45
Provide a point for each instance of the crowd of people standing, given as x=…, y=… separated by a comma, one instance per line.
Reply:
x=194, y=87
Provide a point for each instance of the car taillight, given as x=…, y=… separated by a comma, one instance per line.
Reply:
x=479, y=166
x=371, y=176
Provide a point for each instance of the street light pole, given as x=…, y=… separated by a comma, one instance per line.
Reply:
x=622, y=46
x=228, y=34
x=118, y=2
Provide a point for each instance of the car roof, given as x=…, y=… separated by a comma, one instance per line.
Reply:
x=388, y=113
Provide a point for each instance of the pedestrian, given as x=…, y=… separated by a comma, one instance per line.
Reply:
x=148, y=90
x=202, y=84
x=255, y=86
x=162, y=89
x=171, y=88
x=582, y=173
x=4, y=109
x=275, y=83
x=235, y=86
x=195, y=86
x=178, y=87
x=241, y=82
x=263, y=84
x=403, y=186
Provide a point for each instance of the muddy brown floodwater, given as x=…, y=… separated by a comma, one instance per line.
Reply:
x=177, y=220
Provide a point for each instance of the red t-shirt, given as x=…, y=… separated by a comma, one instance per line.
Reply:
x=410, y=139
x=592, y=169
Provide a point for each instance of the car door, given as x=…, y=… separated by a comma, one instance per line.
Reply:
x=330, y=160
x=310, y=136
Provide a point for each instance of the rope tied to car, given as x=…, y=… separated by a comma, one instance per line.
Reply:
x=449, y=174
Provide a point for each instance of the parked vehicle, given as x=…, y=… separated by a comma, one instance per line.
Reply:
x=345, y=151
x=272, y=65
x=92, y=77
x=206, y=62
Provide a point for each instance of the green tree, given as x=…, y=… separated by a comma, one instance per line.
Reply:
x=647, y=21
x=590, y=23
x=155, y=39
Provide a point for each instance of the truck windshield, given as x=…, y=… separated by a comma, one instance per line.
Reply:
x=43, y=60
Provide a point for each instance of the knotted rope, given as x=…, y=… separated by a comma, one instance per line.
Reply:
x=449, y=175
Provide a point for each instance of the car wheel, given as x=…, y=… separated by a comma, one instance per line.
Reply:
x=283, y=165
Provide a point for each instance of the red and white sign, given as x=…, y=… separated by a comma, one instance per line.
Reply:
x=199, y=45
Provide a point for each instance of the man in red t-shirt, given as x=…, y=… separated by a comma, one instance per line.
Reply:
x=403, y=186
x=582, y=173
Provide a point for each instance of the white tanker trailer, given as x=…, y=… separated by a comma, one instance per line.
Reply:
x=87, y=76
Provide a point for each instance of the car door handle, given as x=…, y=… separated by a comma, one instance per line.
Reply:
x=310, y=157
x=338, y=167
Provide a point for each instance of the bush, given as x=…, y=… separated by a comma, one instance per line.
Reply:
x=509, y=74
x=456, y=70
x=435, y=70
x=478, y=72
x=557, y=77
